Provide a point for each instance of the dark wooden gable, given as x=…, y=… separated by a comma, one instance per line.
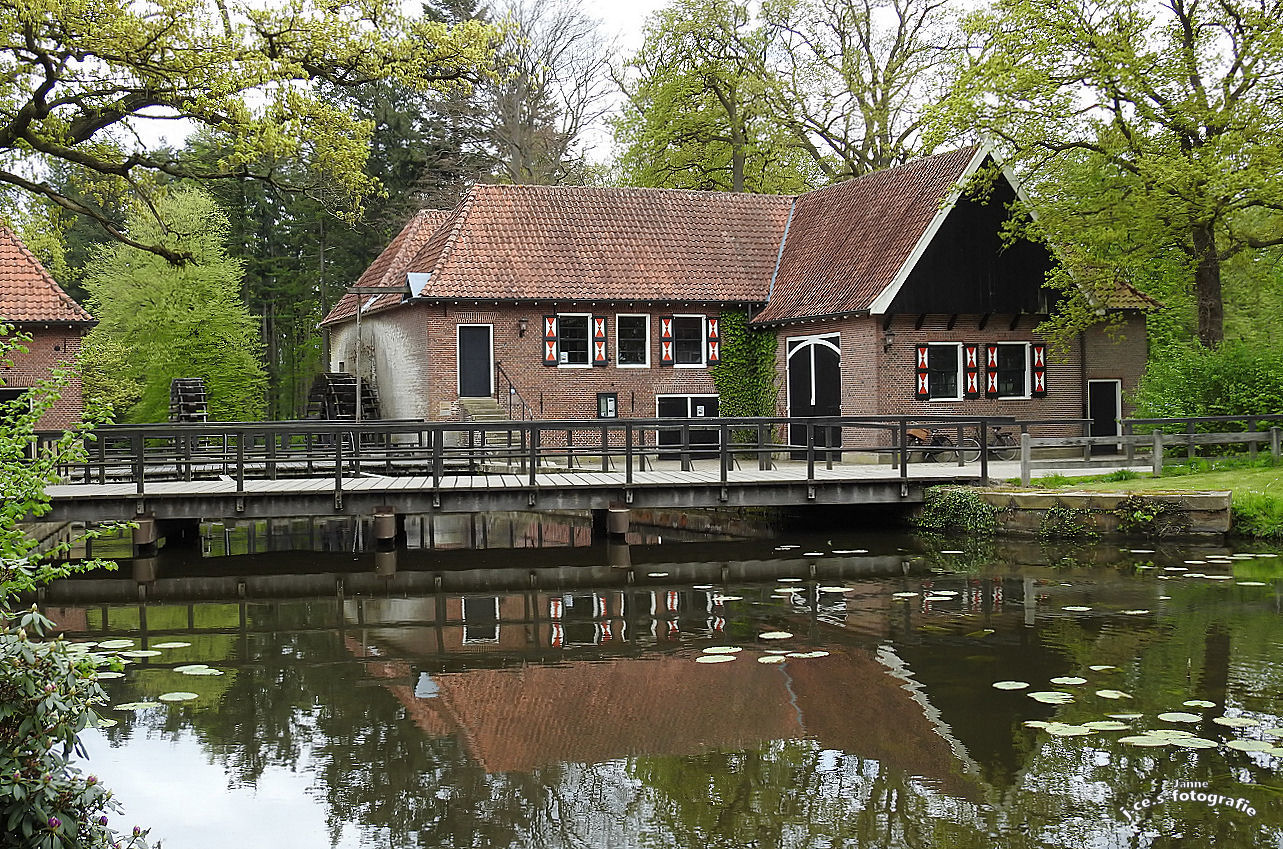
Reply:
x=967, y=269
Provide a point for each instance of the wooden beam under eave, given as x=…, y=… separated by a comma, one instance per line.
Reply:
x=1015, y=320
x=953, y=319
x=917, y=325
x=886, y=321
x=984, y=319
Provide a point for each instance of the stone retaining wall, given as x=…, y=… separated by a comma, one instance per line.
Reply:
x=1022, y=513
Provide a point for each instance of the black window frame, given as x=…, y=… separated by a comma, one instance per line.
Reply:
x=685, y=346
x=1020, y=371
x=636, y=343
x=936, y=373
x=575, y=346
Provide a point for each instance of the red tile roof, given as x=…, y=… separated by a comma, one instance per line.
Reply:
x=388, y=268
x=573, y=243
x=27, y=292
x=846, y=243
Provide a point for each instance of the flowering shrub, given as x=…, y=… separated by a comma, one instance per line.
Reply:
x=47, y=691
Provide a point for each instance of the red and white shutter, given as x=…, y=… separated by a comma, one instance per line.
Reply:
x=665, y=340
x=922, y=374
x=991, y=371
x=971, y=371
x=550, y=340
x=1038, y=370
x=714, y=341
x=599, y=343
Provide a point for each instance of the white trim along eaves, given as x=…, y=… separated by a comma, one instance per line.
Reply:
x=883, y=301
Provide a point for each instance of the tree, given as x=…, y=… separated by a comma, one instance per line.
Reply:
x=82, y=81
x=696, y=116
x=179, y=321
x=1150, y=135
x=852, y=80
x=552, y=83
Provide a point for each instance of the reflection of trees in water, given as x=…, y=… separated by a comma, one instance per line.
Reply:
x=300, y=700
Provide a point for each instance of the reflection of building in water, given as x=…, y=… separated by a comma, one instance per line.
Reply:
x=590, y=711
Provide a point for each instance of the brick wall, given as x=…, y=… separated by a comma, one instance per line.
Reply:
x=417, y=357
x=1118, y=352
x=48, y=348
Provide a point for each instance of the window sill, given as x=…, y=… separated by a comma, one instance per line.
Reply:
x=690, y=365
x=574, y=365
x=643, y=365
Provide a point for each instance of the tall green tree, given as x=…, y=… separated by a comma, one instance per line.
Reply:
x=83, y=77
x=695, y=116
x=1150, y=134
x=179, y=320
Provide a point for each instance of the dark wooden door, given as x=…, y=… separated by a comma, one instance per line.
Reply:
x=815, y=388
x=1102, y=409
x=689, y=406
x=475, y=368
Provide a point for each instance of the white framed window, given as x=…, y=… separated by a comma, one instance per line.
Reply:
x=944, y=371
x=1013, y=370
x=574, y=340
x=632, y=340
x=690, y=337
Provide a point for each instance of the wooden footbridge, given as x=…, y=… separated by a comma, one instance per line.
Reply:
x=310, y=468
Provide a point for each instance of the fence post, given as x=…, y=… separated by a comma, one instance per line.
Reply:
x=1157, y=457
x=534, y=453
x=903, y=447
x=240, y=462
x=1129, y=431
x=961, y=457
x=605, y=447
x=763, y=453
x=1026, y=455
x=983, y=432
x=628, y=452
x=437, y=435
x=1251, y=446
x=810, y=452
x=140, y=466
x=338, y=466
x=724, y=437
x=1274, y=442
x=1189, y=452
x=1087, y=446
x=686, y=447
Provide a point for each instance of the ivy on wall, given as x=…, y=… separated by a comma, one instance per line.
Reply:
x=745, y=376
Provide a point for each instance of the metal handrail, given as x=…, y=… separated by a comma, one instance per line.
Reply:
x=527, y=412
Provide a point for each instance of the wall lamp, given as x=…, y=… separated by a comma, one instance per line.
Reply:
x=888, y=339
x=522, y=325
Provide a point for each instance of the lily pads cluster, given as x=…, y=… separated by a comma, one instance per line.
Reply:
x=726, y=654
x=123, y=651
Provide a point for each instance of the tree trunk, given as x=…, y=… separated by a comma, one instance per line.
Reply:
x=1207, y=287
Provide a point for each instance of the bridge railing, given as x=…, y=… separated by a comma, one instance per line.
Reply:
x=240, y=451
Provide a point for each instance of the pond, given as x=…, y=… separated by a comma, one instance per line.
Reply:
x=806, y=691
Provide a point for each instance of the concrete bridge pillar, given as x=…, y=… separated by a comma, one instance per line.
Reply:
x=385, y=528
x=146, y=535
x=610, y=524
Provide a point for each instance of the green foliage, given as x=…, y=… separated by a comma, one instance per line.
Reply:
x=1234, y=379
x=745, y=374
x=1151, y=517
x=1062, y=522
x=696, y=117
x=177, y=321
x=1257, y=514
x=1120, y=475
x=47, y=692
x=1150, y=145
x=946, y=509
x=256, y=74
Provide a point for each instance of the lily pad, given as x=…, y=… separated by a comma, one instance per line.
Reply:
x=772, y=658
x=951, y=551
x=1061, y=729
x=1010, y=685
x=785, y=591
x=814, y=553
x=1203, y=703
x=1136, y=612
x=776, y=651
x=702, y=587
x=116, y=644
x=170, y=645
x=1179, y=716
x=775, y=635
x=1235, y=721
x=105, y=722
x=808, y=654
x=1101, y=667
x=1051, y=697
x=1170, y=733
x=178, y=696
x=205, y=671
x=1142, y=551
x=983, y=632
x=1251, y=583
x=656, y=574
x=1076, y=608
x=136, y=705
x=1219, y=577
x=1276, y=731
x=724, y=598
x=723, y=650
x=103, y=676
x=715, y=658
x=1113, y=694
x=1035, y=723
x=1194, y=743
x=1145, y=740
x=790, y=580
x=1106, y=725
x=903, y=595
x=1250, y=745
x=1069, y=679
x=836, y=589
x=141, y=653
x=1125, y=715
x=188, y=668
x=939, y=598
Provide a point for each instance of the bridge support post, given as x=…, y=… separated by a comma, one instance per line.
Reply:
x=145, y=536
x=385, y=528
x=610, y=524
x=619, y=556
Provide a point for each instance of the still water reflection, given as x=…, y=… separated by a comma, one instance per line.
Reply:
x=571, y=716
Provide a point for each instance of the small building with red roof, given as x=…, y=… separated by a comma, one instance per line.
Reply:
x=892, y=293
x=33, y=304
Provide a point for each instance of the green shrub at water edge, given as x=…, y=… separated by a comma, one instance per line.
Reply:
x=951, y=508
x=1231, y=380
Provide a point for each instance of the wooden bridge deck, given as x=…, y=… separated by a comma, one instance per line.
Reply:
x=701, y=486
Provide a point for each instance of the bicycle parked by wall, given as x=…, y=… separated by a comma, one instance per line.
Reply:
x=939, y=446
x=1003, y=445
